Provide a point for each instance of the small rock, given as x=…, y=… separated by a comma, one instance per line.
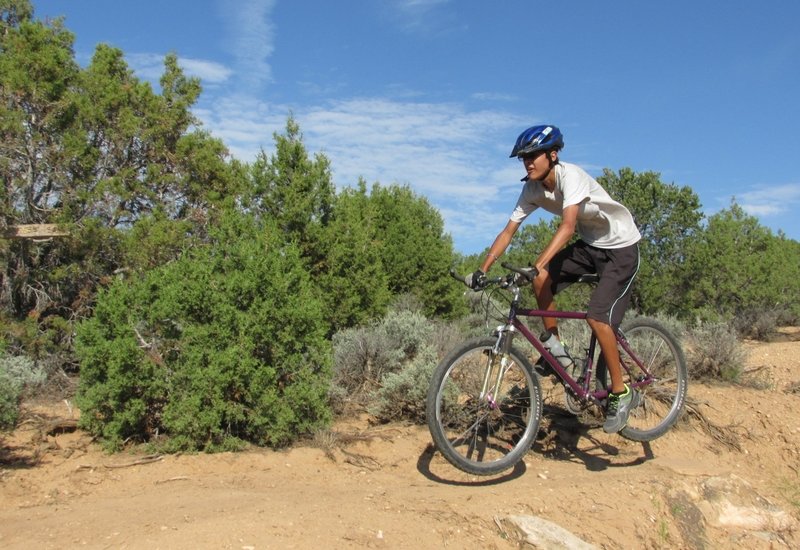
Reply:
x=542, y=533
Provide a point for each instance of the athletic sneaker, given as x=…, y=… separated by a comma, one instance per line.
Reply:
x=618, y=409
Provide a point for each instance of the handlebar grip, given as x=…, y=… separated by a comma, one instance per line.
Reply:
x=529, y=273
x=457, y=277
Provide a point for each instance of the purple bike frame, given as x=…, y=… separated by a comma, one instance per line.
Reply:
x=582, y=393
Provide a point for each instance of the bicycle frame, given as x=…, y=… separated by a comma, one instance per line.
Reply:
x=514, y=324
x=485, y=401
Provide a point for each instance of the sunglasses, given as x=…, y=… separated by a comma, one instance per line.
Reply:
x=530, y=156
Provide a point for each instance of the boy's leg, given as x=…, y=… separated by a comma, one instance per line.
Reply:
x=610, y=299
x=608, y=347
x=542, y=287
x=564, y=268
x=607, y=306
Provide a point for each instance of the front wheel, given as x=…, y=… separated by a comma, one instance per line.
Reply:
x=654, y=353
x=483, y=408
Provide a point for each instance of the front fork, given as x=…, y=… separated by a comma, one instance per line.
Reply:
x=497, y=369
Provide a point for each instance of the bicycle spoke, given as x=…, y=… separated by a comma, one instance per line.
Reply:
x=483, y=429
x=662, y=368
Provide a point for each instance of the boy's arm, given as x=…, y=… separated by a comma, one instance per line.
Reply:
x=565, y=231
x=499, y=245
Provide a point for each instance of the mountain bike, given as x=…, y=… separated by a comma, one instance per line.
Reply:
x=484, y=402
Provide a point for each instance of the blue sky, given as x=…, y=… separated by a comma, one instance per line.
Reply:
x=433, y=93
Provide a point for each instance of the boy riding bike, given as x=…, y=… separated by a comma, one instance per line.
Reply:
x=608, y=246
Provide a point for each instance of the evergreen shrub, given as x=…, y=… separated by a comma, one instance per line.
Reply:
x=222, y=347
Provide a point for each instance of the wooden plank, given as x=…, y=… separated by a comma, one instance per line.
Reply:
x=34, y=231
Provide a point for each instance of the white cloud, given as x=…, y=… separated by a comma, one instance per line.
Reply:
x=440, y=148
x=150, y=66
x=252, y=40
x=419, y=5
x=770, y=200
x=423, y=16
x=761, y=210
x=246, y=125
x=456, y=158
x=474, y=229
x=494, y=96
x=209, y=72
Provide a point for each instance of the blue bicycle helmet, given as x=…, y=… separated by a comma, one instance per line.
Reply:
x=538, y=138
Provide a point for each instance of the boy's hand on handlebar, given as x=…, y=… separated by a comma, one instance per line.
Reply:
x=529, y=273
x=475, y=280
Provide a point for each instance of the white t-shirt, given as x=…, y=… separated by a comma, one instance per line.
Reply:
x=602, y=221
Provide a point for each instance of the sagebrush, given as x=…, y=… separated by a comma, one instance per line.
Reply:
x=18, y=375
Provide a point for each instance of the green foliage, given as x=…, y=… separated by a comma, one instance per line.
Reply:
x=530, y=240
x=223, y=346
x=94, y=150
x=737, y=266
x=9, y=402
x=137, y=152
x=416, y=253
x=361, y=248
x=294, y=191
x=525, y=247
x=355, y=284
x=154, y=241
x=337, y=236
x=13, y=12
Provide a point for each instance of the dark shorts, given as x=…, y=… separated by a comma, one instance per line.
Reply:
x=617, y=267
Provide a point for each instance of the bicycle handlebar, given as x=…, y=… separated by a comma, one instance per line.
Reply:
x=457, y=277
x=526, y=273
x=461, y=278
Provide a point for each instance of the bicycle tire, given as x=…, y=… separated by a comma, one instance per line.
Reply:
x=661, y=403
x=483, y=436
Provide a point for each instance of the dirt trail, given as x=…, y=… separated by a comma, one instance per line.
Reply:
x=731, y=482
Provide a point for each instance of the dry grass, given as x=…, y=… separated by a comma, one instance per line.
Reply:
x=334, y=443
x=726, y=435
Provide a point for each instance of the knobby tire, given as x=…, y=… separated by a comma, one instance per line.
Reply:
x=483, y=435
x=662, y=402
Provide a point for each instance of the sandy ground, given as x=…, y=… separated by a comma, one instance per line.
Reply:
x=726, y=477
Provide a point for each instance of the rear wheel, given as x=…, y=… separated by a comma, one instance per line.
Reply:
x=483, y=408
x=655, y=353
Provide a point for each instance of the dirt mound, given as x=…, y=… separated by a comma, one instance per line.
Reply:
x=727, y=477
